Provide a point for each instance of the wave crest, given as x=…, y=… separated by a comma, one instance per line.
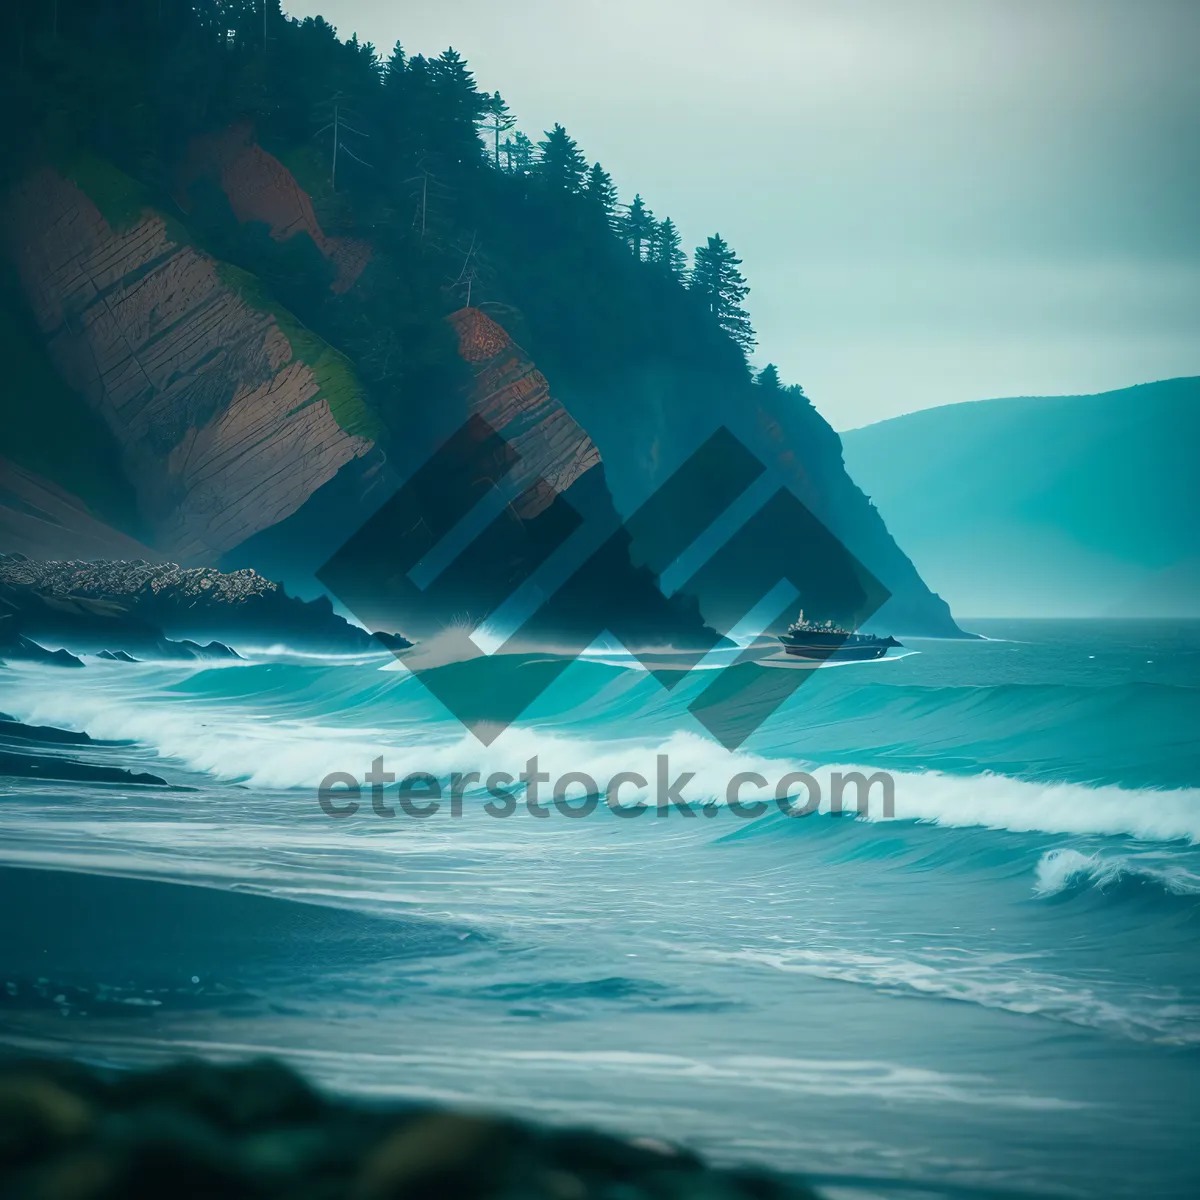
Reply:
x=1063, y=871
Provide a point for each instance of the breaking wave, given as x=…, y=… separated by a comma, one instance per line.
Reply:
x=1065, y=871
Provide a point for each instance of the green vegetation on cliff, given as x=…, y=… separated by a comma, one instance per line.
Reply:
x=120, y=199
x=118, y=91
x=333, y=371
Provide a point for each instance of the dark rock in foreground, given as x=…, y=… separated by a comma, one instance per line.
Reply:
x=198, y=1130
x=45, y=766
x=11, y=728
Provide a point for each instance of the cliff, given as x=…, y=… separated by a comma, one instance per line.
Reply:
x=646, y=420
x=249, y=439
x=810, y=453
x=260, y=188
x=506, y=389
x=514, y=398
x=37, y=517
x=228, y=415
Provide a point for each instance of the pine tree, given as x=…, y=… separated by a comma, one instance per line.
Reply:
x=458, y=108
x=499, y=120
x=395, y=103
x=722, y=288
x=768, y=378
x=666, y=249
x=413, y=109
x=519, y=150
x=560, y=163
x=394, y=69
x=638, y=227
x=601, y=193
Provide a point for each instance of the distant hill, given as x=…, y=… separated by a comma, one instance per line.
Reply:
x=1046, y=506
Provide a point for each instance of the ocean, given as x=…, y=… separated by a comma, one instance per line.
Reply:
x=991, y=990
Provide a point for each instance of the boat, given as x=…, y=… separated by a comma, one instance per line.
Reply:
x=831, y=643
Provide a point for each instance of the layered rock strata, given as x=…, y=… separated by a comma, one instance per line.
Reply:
x=223, y=428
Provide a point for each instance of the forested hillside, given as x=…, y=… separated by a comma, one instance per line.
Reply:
x=236, y=230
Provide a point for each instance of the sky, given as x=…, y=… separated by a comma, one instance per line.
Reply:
x=934, y=200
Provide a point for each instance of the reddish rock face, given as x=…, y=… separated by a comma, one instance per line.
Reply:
x=513, y=396
x=261, y=188
x=222, y=431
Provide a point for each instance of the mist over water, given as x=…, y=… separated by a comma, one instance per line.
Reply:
x=1007, y=969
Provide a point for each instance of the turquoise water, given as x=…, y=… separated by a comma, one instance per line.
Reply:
x=993, y=991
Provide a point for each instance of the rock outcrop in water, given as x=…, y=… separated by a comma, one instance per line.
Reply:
x=259, y=1131
x=136, y=608
x=15, y=647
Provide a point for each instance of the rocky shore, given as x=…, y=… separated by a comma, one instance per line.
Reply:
x=44, y=752
x=160, y=610
x=258, y=1131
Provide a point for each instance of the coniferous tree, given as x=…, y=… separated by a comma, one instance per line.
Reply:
x=519, y=153
x=638, y=227
x=393, y=70
x=394, y=108
x=365, y=67
x=413, y=105
x=499, y=120
x=458, y=109
x=666, y=249
x=722, y=288
x=768, y=378
x=601, y=193
x=560, y=163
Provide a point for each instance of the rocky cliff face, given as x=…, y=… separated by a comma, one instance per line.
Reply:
x=38, y=517
x=810, y=452
x=247, y=437
x=260, y=188
x=506, y=390
x=513, y=396
x=645, y=423
x=223, y=411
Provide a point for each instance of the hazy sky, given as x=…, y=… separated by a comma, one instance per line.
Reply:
x=936, y=200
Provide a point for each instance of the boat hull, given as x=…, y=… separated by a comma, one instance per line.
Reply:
x=835, y=653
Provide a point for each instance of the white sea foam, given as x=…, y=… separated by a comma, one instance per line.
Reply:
x=1063, y=869
x=1022, y=806
x=988, y=980
x=249, y=742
